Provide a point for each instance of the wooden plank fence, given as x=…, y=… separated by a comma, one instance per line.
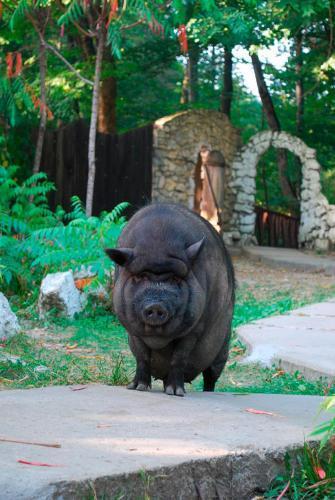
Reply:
x=275, y=229
x=123, y=166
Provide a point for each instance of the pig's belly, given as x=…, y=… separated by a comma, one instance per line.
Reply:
x=161, y=361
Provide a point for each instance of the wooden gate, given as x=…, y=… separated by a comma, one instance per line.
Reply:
x=274, y=229
x=123, y=166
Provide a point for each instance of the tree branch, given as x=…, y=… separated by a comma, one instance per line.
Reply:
x=68, y=64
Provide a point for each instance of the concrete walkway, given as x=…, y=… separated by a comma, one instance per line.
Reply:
x=303, y=340
x=291, y=258
x=119, y=442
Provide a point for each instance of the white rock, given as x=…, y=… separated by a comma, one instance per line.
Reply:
x=41, y=369
x=11, y=359
x=322, y=245
x=246, y=229
x=331, y=235
x=331, y=218
x=320, y=210
x=312, y=176
x=248, y=219
x=161, y=182
x=243, y=208
x=9, y=324
x=59, y=292
x=313, y=165
x=227, y=239
x=83, y=272
x=306, y=195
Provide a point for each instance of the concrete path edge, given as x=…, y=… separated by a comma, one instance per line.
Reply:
x=236, y=476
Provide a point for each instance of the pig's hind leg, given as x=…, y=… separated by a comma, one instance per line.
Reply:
x=213, y=372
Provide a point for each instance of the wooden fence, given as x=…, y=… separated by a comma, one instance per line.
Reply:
x=275, y=229
x=123, y=166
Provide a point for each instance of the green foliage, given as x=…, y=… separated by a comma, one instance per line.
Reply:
x=309, y=474
x=150, y=73
x=23, y=209
x=24, y=206
x=19, y=13
x=14, y=100
x=73, y=14
x=34, y=240
x=326, y=429
x=81, y=242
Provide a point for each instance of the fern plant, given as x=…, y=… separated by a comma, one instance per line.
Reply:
x=23, y=209
x=24, y=206
x=35, y=241
x=77, y=244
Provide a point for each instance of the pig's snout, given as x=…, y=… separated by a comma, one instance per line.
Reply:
x=155, y=314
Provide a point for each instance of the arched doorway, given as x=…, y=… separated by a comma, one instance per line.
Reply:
x=176, y=146
x=316, y=223
x=210, y=182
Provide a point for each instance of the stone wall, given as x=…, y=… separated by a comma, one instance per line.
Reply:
x=317, y=225
x=177, y=142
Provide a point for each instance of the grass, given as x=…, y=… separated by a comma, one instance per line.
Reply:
x=39, y=366
x=93, y=347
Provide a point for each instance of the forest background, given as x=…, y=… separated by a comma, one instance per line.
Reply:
x=152, y=59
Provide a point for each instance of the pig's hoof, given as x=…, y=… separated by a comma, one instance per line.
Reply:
x=178, y=391
x=142, y=387
x=138, y=386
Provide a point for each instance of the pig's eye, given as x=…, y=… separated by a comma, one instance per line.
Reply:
x=136, y=278
x=139, y=278
x=176, y=280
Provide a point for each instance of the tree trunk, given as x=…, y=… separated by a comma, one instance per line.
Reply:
x=299, y=88
x=43, y=107
x=94, y=120
x=193, y=70
x=185, y=90
x=273, y=123
x=107, y=106
x=227, y=92
x=264, y=94
x=299, y=96
x=190, y=82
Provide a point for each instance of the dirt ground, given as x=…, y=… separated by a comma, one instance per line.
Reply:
x=261, y=280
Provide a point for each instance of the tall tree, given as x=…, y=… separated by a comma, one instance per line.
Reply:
x=38, y=14
x=227, y=89
x=101, y=37
x=273, y=123
x=299, y=85
x=191, y=75
x=40, y=25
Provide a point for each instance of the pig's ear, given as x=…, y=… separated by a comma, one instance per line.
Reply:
x=193, y=250
x=121, y=256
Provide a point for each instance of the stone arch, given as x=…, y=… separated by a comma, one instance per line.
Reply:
x=317, y=223
x=176, y=143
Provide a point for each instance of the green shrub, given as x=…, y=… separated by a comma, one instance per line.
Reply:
x=35, y=240
x=309, y=474
x=327, y=429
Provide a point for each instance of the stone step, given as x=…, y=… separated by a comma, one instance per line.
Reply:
x=120, y=442
x=303, y=340
x=291, y=259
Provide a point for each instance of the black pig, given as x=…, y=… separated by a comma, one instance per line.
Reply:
x=174, y=293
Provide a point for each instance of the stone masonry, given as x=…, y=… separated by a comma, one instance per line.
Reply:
x=317, y=225
x=177, y=142
x=176, y=145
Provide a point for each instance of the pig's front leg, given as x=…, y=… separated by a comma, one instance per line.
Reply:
x=142, y=379
x=174, y=383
